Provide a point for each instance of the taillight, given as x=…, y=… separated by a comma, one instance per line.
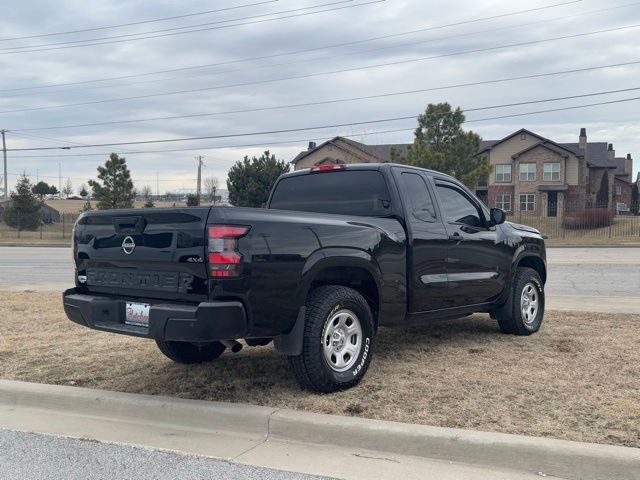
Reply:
x=328, y=168
x=224, y=257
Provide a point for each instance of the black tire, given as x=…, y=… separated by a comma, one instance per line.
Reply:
x=185, y=352
x=311, y=368
x=514, y=322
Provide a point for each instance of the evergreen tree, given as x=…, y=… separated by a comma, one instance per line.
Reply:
x=441, y=144
x=23, y=211
x=251, y=180
x=114, y=189
x=602, y=198
x=635, y=199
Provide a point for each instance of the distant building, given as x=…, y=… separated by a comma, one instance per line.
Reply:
x=531, y=173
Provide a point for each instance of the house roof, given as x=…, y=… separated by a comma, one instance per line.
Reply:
x=381, y=153
x=491, y=143
x=549, y=145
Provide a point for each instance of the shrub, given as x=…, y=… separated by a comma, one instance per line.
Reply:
x=589, y=218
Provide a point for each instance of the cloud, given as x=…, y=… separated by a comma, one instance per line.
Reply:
x=615, y=123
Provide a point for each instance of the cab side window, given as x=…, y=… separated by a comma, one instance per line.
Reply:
x=457, y=207
x=419, y=199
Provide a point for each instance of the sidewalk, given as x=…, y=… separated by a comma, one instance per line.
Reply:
x=341, y=447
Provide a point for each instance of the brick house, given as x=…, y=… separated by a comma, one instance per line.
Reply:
x=535, y=175
x=531, y=174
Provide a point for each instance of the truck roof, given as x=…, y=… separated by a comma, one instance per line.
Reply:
x=371, y=166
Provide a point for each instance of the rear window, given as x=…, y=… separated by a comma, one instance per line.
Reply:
x=346, y=192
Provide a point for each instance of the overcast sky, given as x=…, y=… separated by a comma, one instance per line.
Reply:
x=230, y=40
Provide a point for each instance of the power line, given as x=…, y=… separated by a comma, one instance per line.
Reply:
x=308, y=50
x=332, y=72
x=141, y=22
x=348, y=54
x=353, y=99
x=316, y=74
x=77, y=43
x=302, y=129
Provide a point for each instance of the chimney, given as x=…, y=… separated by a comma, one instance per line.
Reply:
x=611, y=152
x=312, y=145
x=583, y=139
x=628, y=167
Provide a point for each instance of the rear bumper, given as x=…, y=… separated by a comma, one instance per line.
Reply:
x=204, y=322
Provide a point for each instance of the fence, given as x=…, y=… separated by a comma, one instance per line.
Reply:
x=561, y=222
x=59, y=231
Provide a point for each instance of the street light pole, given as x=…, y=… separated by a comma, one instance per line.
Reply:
x=4, y=153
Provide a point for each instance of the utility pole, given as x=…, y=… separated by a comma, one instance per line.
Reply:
x=199, y=187
x=158, y=184
x=4, y=153
x=60, y=179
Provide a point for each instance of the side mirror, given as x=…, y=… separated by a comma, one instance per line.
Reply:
x=497, y=216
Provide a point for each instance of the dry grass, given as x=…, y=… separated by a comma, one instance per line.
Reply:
x=578, y=379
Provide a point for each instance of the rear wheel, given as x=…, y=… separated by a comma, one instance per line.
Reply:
x=338, y=340
x=186, y=352
x=527, y=310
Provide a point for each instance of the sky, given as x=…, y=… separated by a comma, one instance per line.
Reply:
x=229, y=68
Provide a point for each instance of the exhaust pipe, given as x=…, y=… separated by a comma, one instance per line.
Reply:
x=232, y=345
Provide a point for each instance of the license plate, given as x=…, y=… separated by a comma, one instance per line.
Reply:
x=137, y=314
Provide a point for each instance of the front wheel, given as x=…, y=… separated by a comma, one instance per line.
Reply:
x=338, y=340
x=186, y=352
x=528, y=304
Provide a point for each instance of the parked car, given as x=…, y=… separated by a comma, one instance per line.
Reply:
x=340, y=251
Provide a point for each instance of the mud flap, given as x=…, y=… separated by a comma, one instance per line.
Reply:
x=291, y=343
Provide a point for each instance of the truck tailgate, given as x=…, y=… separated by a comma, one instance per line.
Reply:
x=146, y=253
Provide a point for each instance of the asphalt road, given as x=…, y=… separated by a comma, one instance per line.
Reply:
x=593, y=279
x=29, y=456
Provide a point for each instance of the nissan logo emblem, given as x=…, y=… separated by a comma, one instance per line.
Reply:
x=128, y=245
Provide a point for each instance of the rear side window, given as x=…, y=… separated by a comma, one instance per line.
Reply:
x=346, y=192
x=419, y=198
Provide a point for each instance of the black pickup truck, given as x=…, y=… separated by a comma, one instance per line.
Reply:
x=338, y=252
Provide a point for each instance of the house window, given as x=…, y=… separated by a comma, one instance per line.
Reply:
x=618, y=190
x=527, y=172
x=523, y=136
x=503, y=202
x=527, y=202
x=503, y=173
x=551, y=172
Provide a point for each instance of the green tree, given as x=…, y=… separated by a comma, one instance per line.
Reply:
x=42, y=188
x=83, y=191
x=193, y=200
x=23, y=211
x=251, y=180
x=149, y=203
x=114, y=189
x=635, y=199
x=441, y=144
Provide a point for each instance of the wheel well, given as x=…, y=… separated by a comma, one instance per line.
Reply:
x=537, y=264
x=357, y=278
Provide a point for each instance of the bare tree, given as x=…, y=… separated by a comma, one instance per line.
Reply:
x=146, y=192
x=67, y=190
x=211, y=187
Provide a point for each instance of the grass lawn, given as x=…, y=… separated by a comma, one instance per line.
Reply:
x=577, y=379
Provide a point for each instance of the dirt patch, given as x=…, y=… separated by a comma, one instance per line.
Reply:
x=578, y=378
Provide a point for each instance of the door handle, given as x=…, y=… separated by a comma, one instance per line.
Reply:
x=455, y=237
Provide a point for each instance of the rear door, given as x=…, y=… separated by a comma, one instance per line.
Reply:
x=477, y=266
x=143, y=253
x=428, y=243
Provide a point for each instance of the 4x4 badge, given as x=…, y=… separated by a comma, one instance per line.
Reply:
x=128, y=245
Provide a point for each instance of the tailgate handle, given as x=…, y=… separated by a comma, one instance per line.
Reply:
x=129, y=225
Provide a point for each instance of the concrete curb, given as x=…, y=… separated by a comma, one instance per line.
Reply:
x=30, y=245
x=571, y=460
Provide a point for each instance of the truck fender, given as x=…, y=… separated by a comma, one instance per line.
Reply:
x=337, y=257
